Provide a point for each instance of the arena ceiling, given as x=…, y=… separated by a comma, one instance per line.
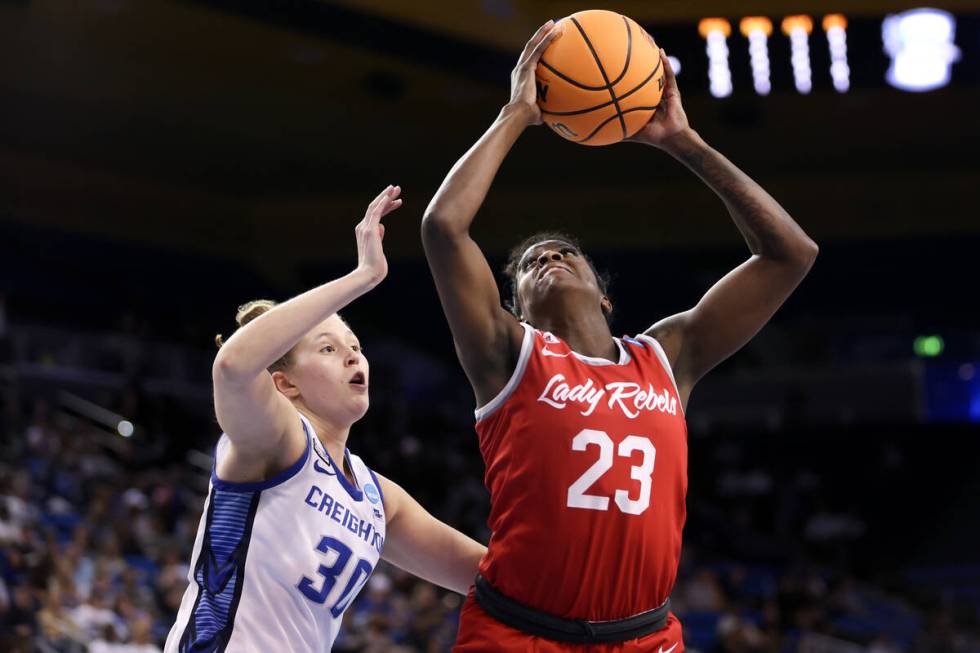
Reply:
x=243, y=128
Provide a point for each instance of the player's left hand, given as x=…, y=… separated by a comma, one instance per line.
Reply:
x=669, y=120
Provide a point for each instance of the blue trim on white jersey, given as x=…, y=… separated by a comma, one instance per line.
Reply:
x=256, y=486
x=220, y=570
x=355, y=492
x=376, y=484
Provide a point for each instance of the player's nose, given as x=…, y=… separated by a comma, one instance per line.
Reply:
x=549, y=255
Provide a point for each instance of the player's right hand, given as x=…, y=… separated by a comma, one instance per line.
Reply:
x=370, y=232
x=523, y=91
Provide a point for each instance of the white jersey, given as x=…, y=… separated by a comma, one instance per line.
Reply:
x=277, y=562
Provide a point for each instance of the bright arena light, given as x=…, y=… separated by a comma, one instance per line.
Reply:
x=920, y=43
x=716, y=31
x=798, y=29
x=757, y=29
x=675, y=64
x=835, y=25
x=125, y=428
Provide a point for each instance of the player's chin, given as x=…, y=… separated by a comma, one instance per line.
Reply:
x=350, y=407
x=564, y=274
x=557, y=283
x=359, y=405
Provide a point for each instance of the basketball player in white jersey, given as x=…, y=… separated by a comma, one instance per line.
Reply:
x=294, y=524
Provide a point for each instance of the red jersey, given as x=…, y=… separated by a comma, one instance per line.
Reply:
x=586, y=463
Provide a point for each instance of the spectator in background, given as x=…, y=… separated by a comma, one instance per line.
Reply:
x=703, y=592
x=20, y=618
x=737, y=635
x=55, y=623
x=139, y=641
x=94, y=614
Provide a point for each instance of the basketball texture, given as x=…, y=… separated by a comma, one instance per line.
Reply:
x=600, y=80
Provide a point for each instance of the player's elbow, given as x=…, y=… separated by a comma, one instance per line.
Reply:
x=807, y=253
x=229, y=369
x=434, y=226
x=797, y=254
x=438, y=225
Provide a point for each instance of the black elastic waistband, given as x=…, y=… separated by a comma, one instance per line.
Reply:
x=534, y=622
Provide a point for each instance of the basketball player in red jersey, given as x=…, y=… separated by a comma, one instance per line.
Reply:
x=583, y=434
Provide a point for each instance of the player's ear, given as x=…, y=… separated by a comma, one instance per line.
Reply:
x=606, y=304
x=285, y=385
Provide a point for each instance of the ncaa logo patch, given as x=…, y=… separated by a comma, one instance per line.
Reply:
x=371, y=492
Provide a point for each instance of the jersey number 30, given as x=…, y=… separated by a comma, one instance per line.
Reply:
x=577, y=498
x=330, y=573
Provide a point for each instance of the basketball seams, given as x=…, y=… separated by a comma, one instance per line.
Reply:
x=629, y=51
x=606, y=104
x=557, y=73
x=602, y=71
x=611, y=118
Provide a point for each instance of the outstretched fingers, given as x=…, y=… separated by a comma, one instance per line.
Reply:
x=670, y=85
x=390, y=202
x=543, y=45
x=386, y=202
x=391, y=206
x=535, y=41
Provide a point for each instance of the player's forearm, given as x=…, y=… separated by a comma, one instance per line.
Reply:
x=454, y=565
x=428, y=548
x=767, y=228
x=462, y=192
x=451, y=568
x=263, y=341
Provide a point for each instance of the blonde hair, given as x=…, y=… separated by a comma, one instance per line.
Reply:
x=248, y=312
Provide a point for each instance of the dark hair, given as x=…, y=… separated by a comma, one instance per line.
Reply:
x=248, y=312
x=514, y=258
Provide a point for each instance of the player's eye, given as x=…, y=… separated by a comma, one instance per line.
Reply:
x=328, y=349
x=356, y=348
x=569, y=250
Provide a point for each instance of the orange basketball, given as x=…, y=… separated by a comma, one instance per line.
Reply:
x=600, y=80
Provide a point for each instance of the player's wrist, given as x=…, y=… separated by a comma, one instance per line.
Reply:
x=366, y=277
x=682, y=141
x=519, y=112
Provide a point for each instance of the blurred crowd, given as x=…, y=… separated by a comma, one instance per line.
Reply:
x=96, y=532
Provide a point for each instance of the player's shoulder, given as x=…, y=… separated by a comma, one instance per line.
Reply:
x=644, y=342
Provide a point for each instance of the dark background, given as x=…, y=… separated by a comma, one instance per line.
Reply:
x=161, y=162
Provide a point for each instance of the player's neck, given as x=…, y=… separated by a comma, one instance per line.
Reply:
x=333, y=437
x=586, y=332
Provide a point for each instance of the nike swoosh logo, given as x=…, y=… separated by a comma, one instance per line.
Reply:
x=670, y=649
x=323, y=470
x=545, y=352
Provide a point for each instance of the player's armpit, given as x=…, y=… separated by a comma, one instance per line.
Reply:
x=487, y=337
x=728, y=316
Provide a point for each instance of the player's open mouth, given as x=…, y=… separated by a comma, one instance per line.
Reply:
x=358, y=380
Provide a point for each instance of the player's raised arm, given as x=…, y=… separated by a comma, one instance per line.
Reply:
x=741, y=303
x=487, y=337
x=251, y=411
